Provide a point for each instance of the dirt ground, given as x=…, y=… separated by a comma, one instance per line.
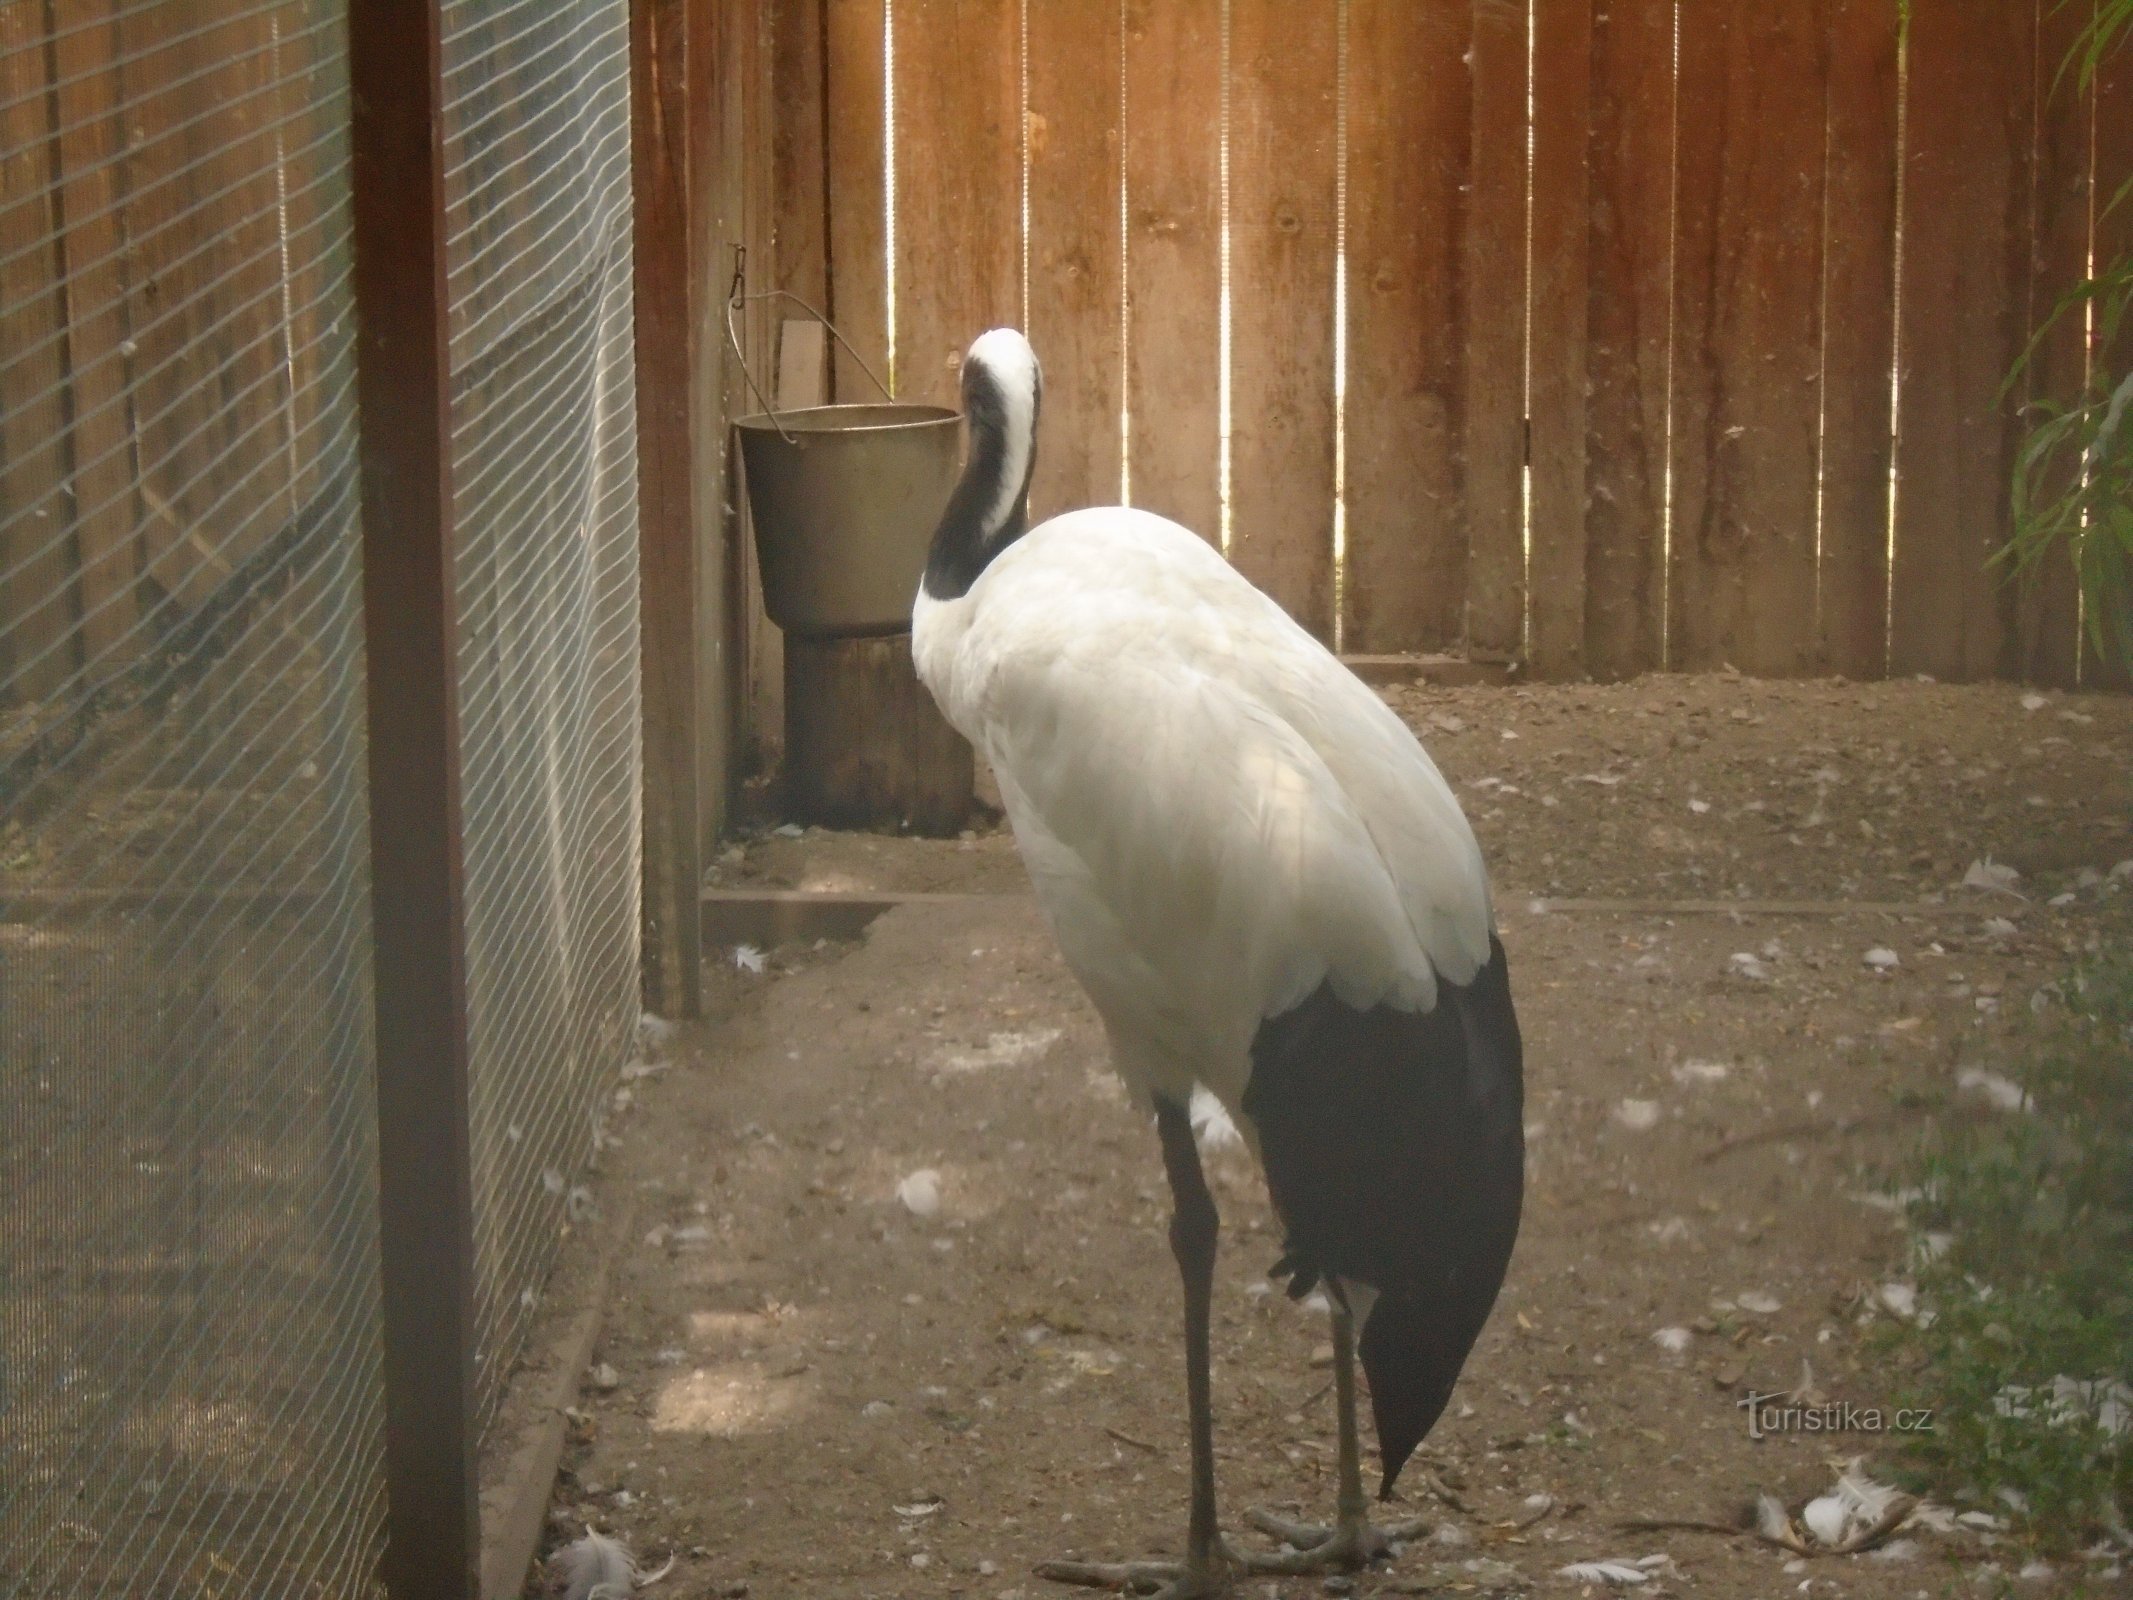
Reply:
x=806, y=1388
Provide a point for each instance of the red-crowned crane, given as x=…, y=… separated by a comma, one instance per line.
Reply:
x=1268, y=890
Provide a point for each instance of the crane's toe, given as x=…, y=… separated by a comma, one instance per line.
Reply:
x=1165, y=1580
x=1349, y=1545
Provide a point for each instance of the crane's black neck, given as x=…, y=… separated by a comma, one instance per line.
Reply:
x=990, y=507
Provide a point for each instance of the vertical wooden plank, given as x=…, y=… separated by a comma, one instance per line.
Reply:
x=760, y=147
x=208, y=307
x=1493, y=312
x=1074, y=257
x=2113, y=182
x=300, y=145
x=1965, y=254
x=2048, y=608
x=958, y=186
x=800, y=151
x=666, y=348
x=39, y=588
x=1628, y=333
x=89, y=148
x=854, y=152
x=719, y=649
x=418, y=869
x=727, y=186
x=1283, y=63
x=803, y=364
x=1858, y=341
x=766, y=646
x=1173, y=54
x=1410, y=111
x=1748, y=338
x=1556, y=383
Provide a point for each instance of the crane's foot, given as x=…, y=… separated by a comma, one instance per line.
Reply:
x=1349, y=1545
x=1166, y=1580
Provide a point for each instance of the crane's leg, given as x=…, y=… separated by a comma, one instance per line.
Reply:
x=1353, y=1542
x=1194, y=1225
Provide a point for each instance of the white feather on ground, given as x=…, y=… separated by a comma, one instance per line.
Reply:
x=1615, y=1574
x=599, y=1568
x=596, y=1567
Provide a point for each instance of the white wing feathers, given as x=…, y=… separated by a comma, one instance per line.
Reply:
x=1217, y=815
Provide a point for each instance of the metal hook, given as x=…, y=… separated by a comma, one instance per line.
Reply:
x=737, y=297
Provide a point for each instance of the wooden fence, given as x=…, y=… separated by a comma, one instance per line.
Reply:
x=1612, y=385
x=162, y=255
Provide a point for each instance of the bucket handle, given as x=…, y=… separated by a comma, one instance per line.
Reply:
x=736, y=298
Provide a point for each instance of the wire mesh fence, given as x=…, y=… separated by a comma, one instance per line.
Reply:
x=191, y=1365
x=537, y=217
x=189, y=1347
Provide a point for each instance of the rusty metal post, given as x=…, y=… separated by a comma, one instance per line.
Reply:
x=417, y=867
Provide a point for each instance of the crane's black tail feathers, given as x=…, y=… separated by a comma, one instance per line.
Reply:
x=1395, y=1153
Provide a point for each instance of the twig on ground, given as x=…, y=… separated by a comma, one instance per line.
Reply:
x=1808, y=1128
x=1776, y=1530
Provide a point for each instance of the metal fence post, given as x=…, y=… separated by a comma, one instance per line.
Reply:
x=673, y=284
x=417, y=873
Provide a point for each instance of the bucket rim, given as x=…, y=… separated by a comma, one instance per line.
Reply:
x=831, y=418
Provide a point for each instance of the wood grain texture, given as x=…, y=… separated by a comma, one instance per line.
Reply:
x=756, y=69
x=667, y=343
x=855, y=150
x=92, y=197
x=207, y=310
x=302, y=46
x=720, y=660
x=1557, y=383
x=800, y=249
x=1965, y=254
x=1628, y=306
x=2113, y=186
x=1747, y=339
x=1410, y=109
x=958, y=186
x=1282, y=177
x=1173, y=59
x=1075, y=307
x=1858, y=347
x=1493, y=314
x=2048, y=608
x=740, y=163
x=40, y=594
x=800, y=150
x=866, y=747
x=2113, y=242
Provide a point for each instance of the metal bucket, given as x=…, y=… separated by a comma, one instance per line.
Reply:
x=845, y=500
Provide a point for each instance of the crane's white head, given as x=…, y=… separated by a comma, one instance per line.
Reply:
x=1002, y=390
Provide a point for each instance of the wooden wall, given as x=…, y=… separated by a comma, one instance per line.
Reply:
x=164, y=238
x=1773, y=252
x=704, y=175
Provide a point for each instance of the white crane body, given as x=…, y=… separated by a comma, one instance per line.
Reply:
x=1217, y=815
x=1268, y=890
